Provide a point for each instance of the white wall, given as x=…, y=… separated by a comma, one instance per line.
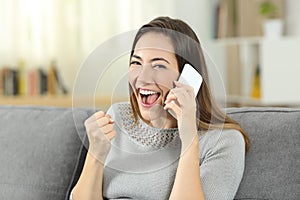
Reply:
x=133, y=15
x=80, y=26
x=280, y=72
x=292, y=17
x=125, y=15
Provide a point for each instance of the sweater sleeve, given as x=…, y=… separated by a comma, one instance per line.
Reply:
x=222, y=163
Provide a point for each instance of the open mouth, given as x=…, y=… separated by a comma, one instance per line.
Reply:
x=148, y=97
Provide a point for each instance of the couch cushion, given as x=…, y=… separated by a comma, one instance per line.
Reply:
x=272, y=164
x=40, y=148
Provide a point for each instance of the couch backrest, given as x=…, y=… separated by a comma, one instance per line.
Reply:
x=40, y=149
x=273, y=161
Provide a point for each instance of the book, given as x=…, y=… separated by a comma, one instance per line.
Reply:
x=32, y=82
x=60, y=83
x=56, y=83
x=51, y=82
x=255, y=90
x=15, y=85
x=216, y=22
x=22, y=83
x=233, y=64
x=1, y=81
x=9, y=79
x=226, y=19
x=222, y=19
x=42, y=81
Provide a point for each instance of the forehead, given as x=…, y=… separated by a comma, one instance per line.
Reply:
x=155, y=41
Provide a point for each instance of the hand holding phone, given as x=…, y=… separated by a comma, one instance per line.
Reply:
x=191, y=77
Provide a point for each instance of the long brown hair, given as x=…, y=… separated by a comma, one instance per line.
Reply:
x=188, y=50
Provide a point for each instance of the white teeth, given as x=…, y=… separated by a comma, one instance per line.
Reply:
x=147, y=92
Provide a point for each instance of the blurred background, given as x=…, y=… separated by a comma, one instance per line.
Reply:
x=254, y=45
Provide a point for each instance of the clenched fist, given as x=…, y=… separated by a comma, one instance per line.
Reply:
x=100, y=131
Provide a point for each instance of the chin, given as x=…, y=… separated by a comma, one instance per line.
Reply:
x=145, y=115
x=153, y=112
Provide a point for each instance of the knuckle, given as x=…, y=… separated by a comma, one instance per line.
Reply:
x=99, y=114
x=107, y=128
x=102, y=129
x=103, y=121
x=189, y=87
x=114, y=133
x=111, y=135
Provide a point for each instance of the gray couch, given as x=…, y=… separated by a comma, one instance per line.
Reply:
x=42, y=152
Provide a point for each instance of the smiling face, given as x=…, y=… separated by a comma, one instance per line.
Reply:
x=153, y=69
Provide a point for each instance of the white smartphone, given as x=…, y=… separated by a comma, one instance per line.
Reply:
x=191, y=77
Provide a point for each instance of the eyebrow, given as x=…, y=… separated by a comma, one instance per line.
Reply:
x=153, y=59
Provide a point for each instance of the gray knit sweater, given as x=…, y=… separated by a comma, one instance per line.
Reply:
x=143, y=160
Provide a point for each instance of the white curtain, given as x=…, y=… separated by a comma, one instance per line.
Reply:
x=38, y=31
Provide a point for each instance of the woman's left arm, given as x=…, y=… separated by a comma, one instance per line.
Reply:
x=223, y=162
x=187, y=184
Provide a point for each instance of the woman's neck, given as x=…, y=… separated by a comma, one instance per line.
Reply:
x=163, y=121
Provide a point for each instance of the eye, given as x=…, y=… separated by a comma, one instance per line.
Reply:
x=135, y=63
x=159, y=67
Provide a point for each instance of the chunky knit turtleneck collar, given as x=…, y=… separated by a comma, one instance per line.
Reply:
x=144, y=134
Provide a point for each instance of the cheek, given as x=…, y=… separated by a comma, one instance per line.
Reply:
x=164, y=79
x=132, y=77
x=167, y=80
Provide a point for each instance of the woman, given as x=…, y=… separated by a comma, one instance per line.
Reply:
x=140, y=151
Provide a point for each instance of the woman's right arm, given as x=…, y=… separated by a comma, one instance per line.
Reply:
x=100, y=131
x=89, y=185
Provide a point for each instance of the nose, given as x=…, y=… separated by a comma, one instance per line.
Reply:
x=146, y=74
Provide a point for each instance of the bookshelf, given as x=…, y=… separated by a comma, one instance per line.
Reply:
x=28, y=85
x=279, y=70
x=58, y=101
x=20, y=80
x=239, y=40
x=65, y=101
x=245, y=48
x=38, y=86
